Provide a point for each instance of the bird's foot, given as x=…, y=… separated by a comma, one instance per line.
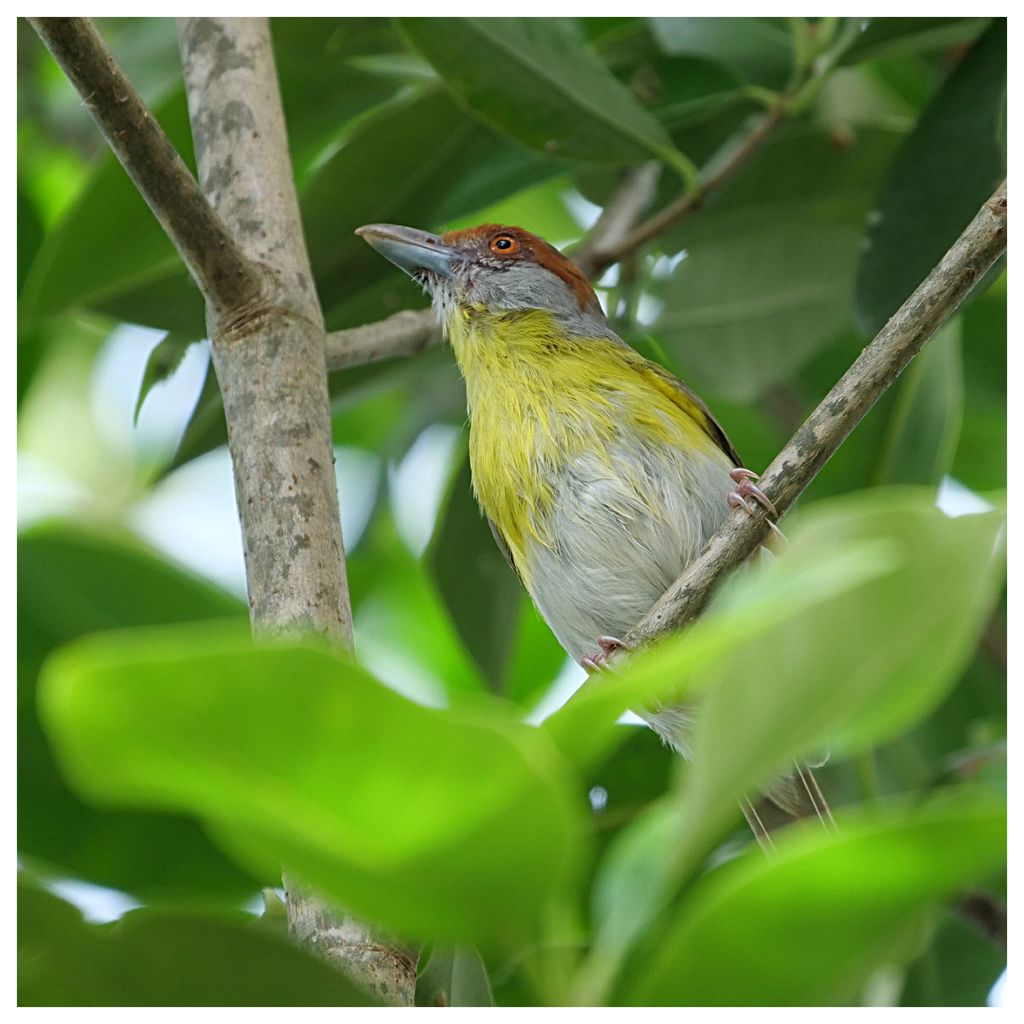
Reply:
x=609, y=645
x=746, y=488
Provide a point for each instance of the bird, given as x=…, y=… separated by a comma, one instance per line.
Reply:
x=601, y=474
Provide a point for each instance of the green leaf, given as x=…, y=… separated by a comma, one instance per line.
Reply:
x=165, y=958
x=400, y=621
x=896, y=37
x=980, y=461
x=479, y=587
x=298, y=754
x=858, y=668
x=808, y=926
x=73, y=580
x=454, y=976
x=67, y=274
x=165, y=358
x=768, y=276
x=535, y=79
x=958, y=968
x=924, y=426
x=754, y=48
x=949, y=165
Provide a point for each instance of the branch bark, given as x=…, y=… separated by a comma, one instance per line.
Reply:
x=402, y=334
x=936, y=298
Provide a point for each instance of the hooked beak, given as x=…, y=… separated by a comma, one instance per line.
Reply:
x=408, y=248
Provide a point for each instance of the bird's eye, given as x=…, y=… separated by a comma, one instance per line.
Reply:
x=504, y=245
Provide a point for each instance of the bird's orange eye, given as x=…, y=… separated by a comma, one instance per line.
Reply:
x=504, y=245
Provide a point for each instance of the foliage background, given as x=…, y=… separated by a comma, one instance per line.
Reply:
x=760, y=301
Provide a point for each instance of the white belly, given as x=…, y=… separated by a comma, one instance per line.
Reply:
x=618, y=545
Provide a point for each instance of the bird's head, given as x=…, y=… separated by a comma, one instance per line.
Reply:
x=491, y=268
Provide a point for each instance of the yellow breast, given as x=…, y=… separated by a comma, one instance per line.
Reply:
x=539, y=399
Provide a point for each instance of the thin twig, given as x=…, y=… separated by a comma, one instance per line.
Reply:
x=981, y=244
x=402, y=334
x=634, y=194
x=689, y=202
x=227, y=279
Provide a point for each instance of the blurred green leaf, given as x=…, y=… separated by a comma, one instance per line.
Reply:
x=164, y=359
x=891, y=37
x=67, y=273
x=74, y=580
x=679, y=665
x=454, y=976
x=956, y=970
x=400, y=619
x=924, y=427
x=30, y=235
x=535, y=79
x=165, y=958
x=980, y=461
x=757, y=49
x=768, y=274
x=479, y=587
x=299, y=752
x=808, y=926
x=945, y=169
x=857, y=668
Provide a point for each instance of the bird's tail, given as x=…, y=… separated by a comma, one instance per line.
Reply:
x=793, y=798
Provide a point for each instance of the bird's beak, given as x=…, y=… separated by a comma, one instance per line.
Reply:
x=408, y=248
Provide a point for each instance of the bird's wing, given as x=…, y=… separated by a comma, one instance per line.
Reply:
x=503, y=546
x=692, y=402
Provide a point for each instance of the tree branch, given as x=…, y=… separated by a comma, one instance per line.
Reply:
x=974, y=252
x=402, y=334
x=226, y=278
x=631, y=199
x=612, y=251
x=271, y=368
x=269, y=359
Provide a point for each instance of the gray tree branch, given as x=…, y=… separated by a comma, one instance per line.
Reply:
x=271, y=368
x=932, y=303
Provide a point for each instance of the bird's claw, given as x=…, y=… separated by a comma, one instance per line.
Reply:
x=609, y=645
x=746, y=488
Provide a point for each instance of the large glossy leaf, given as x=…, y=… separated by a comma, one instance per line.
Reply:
x=859, y=668
x=768, y=276
x=535, y=79
x=73, y=580
x=294, y=752
x=166, y=958
x=757, y=49
x=810, y=925
x=943, y=172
